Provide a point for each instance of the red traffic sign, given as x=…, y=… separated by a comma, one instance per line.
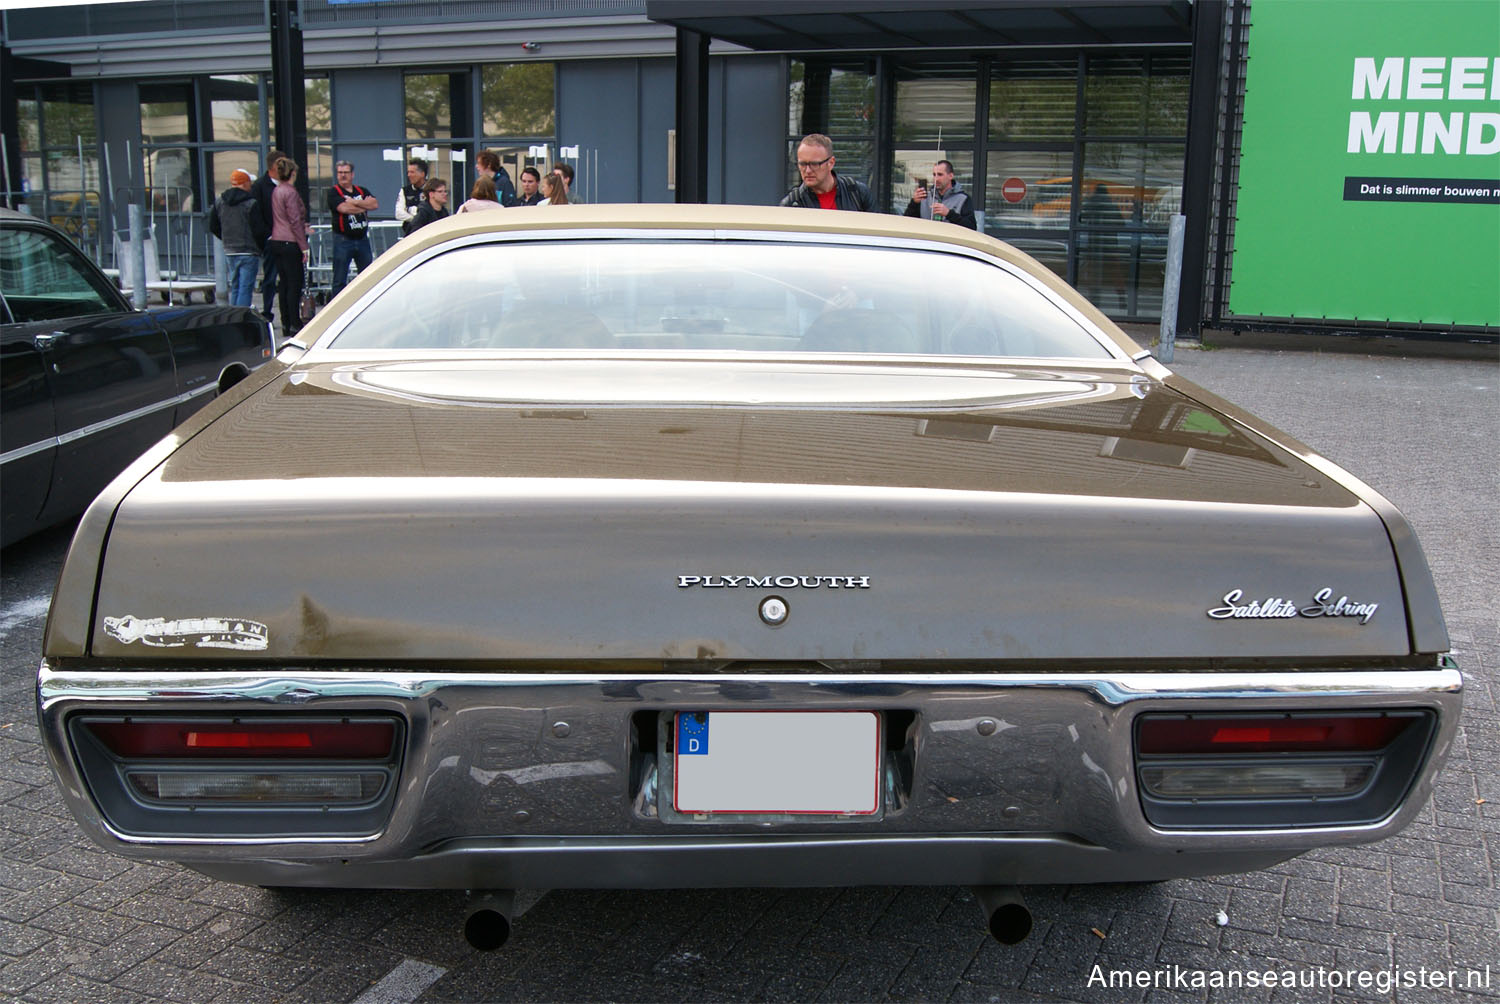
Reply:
x=1014, y=190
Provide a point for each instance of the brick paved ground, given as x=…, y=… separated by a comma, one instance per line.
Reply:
x=77, y=924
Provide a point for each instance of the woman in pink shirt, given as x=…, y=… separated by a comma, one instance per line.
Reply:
x=288, y=241
x=482, y=197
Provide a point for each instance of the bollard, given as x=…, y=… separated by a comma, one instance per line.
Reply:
x=1171, y=288
x=221, y=272
x=137, y=252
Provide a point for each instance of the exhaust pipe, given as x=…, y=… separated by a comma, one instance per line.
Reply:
x=487, y=920
x=1005, y=912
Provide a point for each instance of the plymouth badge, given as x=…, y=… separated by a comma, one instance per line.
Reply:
x=774, y=581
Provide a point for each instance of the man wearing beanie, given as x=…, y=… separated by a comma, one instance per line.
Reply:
x=236, y=220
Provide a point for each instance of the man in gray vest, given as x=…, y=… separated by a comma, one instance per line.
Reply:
x=946, y=200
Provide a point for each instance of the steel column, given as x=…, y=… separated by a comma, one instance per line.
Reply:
x=1198, y=175
x=1226, y=166
x=10, y=131
x=287, y=86
x=12, y=68
x=692, y=116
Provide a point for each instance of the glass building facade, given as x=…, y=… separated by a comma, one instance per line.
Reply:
x=1074, y=155
x=195, y=130
x=59, y=137
x=1076, y=159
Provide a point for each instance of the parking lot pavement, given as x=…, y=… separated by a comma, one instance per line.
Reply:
x=77, y=924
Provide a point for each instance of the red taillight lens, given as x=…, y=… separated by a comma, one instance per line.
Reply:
x=250, y=740
x=1282, y=734
x=225, y=738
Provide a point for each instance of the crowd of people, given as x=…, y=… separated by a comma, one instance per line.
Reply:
x=424, y=199
x=263, y=221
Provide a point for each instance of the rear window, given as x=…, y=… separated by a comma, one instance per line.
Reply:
x=715, y=295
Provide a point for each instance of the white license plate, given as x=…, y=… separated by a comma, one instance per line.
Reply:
x=777, y=762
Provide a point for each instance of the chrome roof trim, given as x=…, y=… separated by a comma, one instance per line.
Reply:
x=326, y=348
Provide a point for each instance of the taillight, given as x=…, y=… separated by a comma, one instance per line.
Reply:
x=314, y=775
x=1285, y=734
x=1265, y=770
x=344, y=739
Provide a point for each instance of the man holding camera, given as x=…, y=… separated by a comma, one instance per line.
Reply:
x=946, y=200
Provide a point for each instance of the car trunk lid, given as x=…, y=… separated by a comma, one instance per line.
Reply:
x=379, y=514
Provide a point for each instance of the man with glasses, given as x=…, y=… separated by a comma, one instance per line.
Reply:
x=822, y=187
x=434, y=204
x=351, y=227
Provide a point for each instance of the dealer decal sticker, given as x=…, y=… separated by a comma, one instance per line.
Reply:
x=233, y=633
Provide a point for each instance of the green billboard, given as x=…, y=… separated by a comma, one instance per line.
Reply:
x=1369, y=185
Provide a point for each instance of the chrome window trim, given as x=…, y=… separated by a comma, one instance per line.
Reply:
x=1118, y=368
x=325, y=345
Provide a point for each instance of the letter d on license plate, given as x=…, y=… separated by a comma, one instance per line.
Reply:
x=777, y=762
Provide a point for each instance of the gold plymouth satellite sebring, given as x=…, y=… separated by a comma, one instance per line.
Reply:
x=666, y=546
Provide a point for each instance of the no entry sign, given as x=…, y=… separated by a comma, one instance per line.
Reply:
x=1014, y=190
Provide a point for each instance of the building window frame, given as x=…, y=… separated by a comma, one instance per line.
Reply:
x=1145, y=147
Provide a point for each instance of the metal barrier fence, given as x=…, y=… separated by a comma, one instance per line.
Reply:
x=172, y=215
x=181, y=247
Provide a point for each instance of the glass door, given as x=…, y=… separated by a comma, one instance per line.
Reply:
x=933, y=119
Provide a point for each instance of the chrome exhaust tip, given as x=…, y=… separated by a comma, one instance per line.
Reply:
x=1005, y=913
x=488, y=920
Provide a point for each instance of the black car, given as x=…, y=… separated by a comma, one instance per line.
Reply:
x=88, y=382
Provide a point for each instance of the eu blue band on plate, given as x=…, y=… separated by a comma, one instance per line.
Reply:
x=692, y=733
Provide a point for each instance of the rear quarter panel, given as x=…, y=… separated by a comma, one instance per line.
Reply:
x=207, y=341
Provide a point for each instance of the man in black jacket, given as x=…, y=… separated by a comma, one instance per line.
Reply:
x=528, y=196
x=261, y=191
x=822, y=187
x=235, y=219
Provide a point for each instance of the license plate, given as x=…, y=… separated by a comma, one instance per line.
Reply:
x=739, y=762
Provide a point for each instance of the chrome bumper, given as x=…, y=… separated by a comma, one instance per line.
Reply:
x=526, y=780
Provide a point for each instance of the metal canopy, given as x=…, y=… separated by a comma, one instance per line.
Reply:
x=886, y=25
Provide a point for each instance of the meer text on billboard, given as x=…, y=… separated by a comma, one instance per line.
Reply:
x=1369, y=184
